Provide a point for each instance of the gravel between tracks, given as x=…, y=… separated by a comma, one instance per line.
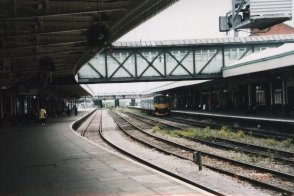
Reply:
x=262, y=162
x=187, y=169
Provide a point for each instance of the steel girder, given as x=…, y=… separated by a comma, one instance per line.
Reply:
x=157, y=63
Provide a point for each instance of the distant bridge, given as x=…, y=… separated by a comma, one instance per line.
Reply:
x=118, y=95
x=173, y=60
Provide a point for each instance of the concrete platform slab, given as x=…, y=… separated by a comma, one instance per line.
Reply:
x=52, y=160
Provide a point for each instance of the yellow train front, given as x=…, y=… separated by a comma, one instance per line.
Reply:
x=158, y=105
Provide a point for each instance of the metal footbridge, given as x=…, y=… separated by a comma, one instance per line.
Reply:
x=173, y=60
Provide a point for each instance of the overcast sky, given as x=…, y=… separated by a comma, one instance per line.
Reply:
x=186, y=19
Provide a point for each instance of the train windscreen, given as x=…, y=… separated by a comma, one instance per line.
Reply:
x=161, y=99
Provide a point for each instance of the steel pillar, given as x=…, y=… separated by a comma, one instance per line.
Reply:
x=285, y=95
x=1, y=109
x=133, y=102
x=271, y=97
x=116, y=103
x=249, y=97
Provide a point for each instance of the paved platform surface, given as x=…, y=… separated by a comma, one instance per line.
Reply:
x=52, y=160
x=266, y=118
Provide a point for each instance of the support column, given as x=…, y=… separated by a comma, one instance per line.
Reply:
x=1, y=109
x=12, y=102
x=271, y=97
x=233, y=108
x=100, y=104
x=133, y=102
x=200, y=99
x=175, y=102
x=209, y=101
x=116, y=102
x=249, y=97
x=285, y=100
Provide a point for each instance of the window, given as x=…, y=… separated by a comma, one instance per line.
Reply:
x=278, y=96
x=160, y=99
x=201, y=55
x=260, y=95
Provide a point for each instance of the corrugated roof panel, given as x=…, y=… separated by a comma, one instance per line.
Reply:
x=281, y=37
x=168, y=42
x=214, y=40
x=250, y=39
x=175, y=42
x=157, y=43
x=242, y=39
x=205, y=41
x=275, y=37
x=181, y=42
x=193, y=41
x=289, y=36
x=220, y=40
x=260, y=38
x=237, y=40
x=200, y=41
x=254, y=39
x=271, y=38
x=231, y=40
x=209, y=41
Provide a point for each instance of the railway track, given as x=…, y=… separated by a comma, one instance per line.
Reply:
x=100, y=131
x=279, y=155
x=92, y=117
x=274, y=180
x=257, y=132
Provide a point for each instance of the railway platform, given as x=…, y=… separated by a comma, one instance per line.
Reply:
x=238, y=116
x=52, y=160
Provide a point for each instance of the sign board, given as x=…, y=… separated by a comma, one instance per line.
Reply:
x=22, y=90
x=259, y=14
x=4, y=65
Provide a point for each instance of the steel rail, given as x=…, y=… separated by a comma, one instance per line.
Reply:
x=272, y=187
x=83, y=133
x=258, y=133
x=155, y=166
x=215, y=143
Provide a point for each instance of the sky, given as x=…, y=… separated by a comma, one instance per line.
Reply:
x=186, y=19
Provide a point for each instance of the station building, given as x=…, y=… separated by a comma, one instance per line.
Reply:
x=260, y=83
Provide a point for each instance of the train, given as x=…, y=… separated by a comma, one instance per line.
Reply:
x=157, y=105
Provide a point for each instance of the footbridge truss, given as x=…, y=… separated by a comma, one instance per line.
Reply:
x=119, y=95
x=173, y=60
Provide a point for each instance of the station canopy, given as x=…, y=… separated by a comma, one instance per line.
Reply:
x=46, y=41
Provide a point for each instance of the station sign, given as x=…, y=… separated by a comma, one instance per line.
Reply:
x=259, y=14
x=23, y=90
x=4, y=65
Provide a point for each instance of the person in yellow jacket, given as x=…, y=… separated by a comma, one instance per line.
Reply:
x=42, y=116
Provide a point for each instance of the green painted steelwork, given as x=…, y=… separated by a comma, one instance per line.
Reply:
x=178, y=60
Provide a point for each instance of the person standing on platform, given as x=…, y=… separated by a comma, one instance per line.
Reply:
x=76, y=110
x=42, y=116
x=67, y=110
